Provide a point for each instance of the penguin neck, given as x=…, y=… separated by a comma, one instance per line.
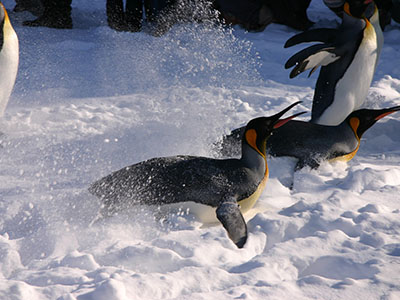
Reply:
x=354, y=123
x=253, y=160
x=378, y=31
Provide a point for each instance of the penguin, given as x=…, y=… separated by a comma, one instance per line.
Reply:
x=348, y=58
x=9, y=56
x=312, y=143
x=225, y=188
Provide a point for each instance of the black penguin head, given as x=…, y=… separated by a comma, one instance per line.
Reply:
x=361, y=120
x=357, y=8
x=259, y=129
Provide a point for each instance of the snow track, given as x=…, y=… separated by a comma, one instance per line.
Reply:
x=89, y=101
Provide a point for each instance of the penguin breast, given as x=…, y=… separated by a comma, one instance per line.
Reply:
x=352, y=89
x=9, y=56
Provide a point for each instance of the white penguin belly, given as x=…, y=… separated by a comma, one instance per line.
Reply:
x=352, y=89
x=9, y=56
x=379, y=34
x=207, y=214
x=202, y=213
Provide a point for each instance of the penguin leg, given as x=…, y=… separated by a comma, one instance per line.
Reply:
x=133, y=15
x=116, y=15
x=228, y=213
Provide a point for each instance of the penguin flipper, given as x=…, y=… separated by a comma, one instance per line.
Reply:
x=228, y=213
x=311, y=58
x=324, y=35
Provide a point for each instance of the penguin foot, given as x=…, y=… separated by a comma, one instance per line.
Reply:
x=122, y=25
x=51, y=22
x=35, y=7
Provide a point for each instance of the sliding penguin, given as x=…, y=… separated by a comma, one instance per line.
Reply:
x=348, y=57
x=313, y=143
x=9, y=55
x=222, y=187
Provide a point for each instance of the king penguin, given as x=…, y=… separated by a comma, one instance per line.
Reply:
x=348, y=58
x=312, y=143
x=9, y=56
x=224, y=188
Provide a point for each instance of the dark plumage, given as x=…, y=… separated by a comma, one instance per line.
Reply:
x=347, y=56
x=218, y=183
x=311, y=143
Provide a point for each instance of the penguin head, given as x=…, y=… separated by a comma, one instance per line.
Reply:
x=258, y=130
x=361, y=120
x=357, y=8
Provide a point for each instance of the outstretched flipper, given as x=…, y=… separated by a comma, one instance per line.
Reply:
x=323, y=35
x=228, y=213
x=312, y=58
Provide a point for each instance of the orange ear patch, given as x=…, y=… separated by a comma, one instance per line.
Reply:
x=346, y=8
x=354, y=123
x=251, y=138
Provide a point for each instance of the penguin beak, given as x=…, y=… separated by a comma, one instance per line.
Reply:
x=277, y=122
x=281, y=122
x=387, y=112
x=367, y=1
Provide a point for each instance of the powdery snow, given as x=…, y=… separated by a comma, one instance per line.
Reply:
x=90, y=100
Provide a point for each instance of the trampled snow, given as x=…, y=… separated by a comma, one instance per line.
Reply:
x=90, y=100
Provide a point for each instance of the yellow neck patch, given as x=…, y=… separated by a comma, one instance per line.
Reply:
x=251, y=138
x=7, y=23
x=346, y=8
x=5, y=13
x=354, y=123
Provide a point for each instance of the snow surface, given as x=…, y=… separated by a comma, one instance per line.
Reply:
x=90, y=100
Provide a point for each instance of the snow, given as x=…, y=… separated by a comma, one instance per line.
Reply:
x=90, y=100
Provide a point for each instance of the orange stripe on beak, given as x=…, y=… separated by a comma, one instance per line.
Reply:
x=282, y=122
x=383, y=115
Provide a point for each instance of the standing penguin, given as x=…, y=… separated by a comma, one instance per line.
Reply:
x=209, y=187
x=313, y=143
x=348, y=57
x=9, y=55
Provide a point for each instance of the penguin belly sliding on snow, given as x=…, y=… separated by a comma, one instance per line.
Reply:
x=312, y=143
x=226, y=188
x=9, y=56
x=348, y=57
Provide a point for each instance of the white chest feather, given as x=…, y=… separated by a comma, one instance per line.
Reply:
x=352, y=89
x=204, y=213
x=379, y=34
x=207, y=214
x=9, y=56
